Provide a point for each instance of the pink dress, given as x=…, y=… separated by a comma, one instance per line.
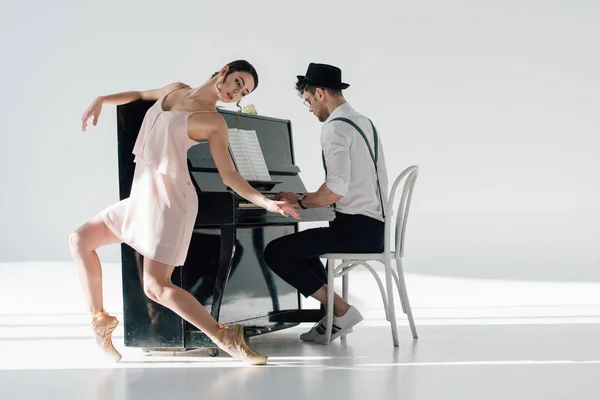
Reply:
x=158, y=218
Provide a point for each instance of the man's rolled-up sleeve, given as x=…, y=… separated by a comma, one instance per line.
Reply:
x=336, y=148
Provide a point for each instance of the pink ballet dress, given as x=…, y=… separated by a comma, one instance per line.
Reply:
x=158, y=218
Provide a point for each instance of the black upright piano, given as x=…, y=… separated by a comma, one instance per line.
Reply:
x=224, y=268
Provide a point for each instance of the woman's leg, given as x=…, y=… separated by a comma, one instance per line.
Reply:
x=84, y=242
x=159, y=288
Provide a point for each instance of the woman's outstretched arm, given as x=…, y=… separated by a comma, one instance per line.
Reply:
x=218, y=140
x=95, y=108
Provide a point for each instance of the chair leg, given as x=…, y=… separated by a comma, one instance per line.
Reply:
x=381, y=289
x=345, y=287
x=402, y=292
x=344, y=294
x=390, y=298
x=395, y=275
x=330, y=291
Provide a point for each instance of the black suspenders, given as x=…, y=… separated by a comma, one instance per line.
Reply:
x=374, y=155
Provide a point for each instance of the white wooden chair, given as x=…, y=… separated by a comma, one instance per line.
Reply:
x=349, y=261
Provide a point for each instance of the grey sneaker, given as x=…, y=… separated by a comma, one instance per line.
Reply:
x=340, y=326
x=311, y=335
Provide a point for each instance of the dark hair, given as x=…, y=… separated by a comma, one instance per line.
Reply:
x=302, y=87
x=241, y=66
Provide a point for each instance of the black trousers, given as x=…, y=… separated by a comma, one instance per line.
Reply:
x=295, y=258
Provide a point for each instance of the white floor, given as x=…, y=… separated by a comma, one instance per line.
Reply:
x=479, y=339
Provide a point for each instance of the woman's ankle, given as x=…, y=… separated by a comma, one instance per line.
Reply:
x=98, y=314
x=222, y=335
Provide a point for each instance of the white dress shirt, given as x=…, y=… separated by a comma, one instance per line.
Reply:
x=350, y=168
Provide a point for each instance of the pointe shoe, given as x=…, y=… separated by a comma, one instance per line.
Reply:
x=231, y=340
x=103, y=325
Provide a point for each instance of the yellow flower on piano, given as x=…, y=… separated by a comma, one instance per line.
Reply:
x=249, y=109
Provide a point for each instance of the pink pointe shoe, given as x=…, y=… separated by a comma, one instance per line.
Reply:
x=231, y=340
x=103, y=325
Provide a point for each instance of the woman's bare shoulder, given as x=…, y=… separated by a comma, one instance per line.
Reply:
x=204, y=124
x=156, y=94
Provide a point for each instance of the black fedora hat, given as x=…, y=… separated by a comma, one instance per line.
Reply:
x=323, y=75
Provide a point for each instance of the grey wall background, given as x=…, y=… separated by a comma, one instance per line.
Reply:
x=497, y=101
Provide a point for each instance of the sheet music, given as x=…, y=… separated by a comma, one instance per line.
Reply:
x=248, y=155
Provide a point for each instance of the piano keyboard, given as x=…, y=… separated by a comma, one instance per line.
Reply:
x=243, y=203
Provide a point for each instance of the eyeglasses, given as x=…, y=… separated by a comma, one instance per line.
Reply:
x=306, y=102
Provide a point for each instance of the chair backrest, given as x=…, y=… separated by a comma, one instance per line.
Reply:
x=406, y=180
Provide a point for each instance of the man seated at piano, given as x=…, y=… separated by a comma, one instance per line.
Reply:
x=355, y=184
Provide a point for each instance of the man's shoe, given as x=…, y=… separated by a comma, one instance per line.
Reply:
x=341, y=325
x=311, y=335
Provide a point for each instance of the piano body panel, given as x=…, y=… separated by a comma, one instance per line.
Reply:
x=218, y=208
x=252, y=290
x=225, y=268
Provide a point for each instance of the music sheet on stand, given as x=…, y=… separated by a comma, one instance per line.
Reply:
x=248, y=155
